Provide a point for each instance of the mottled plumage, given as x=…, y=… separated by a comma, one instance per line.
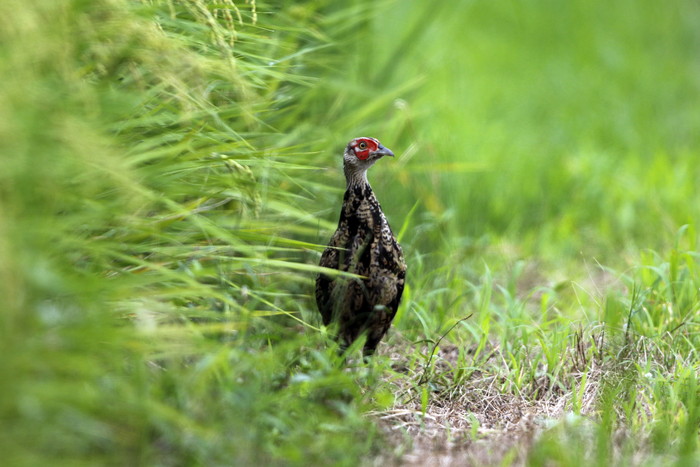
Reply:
x=363, y=244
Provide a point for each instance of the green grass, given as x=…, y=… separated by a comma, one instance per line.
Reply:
x=170, y=172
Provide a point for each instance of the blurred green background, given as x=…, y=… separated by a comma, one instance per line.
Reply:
x=577, y=120
x=171, y=172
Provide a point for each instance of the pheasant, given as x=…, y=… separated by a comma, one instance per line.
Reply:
x=363, y=244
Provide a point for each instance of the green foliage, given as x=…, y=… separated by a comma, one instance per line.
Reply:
x=164, y=196
x=151, y=240
x=580, y=114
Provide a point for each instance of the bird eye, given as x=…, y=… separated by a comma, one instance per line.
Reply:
x=362, y=145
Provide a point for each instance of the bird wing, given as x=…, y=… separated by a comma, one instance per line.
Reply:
x=324, y=283
x=389, y=271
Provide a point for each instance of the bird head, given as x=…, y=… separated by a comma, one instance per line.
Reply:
x=360, y=154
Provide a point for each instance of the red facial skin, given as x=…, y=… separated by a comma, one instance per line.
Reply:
x=363, y=147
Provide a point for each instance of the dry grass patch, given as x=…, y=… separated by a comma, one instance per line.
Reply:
x=474, y=422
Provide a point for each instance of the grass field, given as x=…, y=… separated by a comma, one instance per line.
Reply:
x=171, y=173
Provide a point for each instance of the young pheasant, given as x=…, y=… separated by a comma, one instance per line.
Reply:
x=364, y=245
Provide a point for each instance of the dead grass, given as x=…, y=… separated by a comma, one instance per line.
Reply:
x=473, y=423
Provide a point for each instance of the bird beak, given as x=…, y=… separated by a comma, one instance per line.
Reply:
x=382, y=151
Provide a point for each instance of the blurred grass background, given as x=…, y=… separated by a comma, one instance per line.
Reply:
x=170, y=172
x=582, y=115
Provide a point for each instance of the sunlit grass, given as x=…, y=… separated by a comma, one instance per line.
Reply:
x=153, y=249
x=170, y=172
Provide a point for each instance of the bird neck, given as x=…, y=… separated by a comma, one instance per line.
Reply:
x=355, y=178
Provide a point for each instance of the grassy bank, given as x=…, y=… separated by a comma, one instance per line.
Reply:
x=171, y=172
x=153, y=250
